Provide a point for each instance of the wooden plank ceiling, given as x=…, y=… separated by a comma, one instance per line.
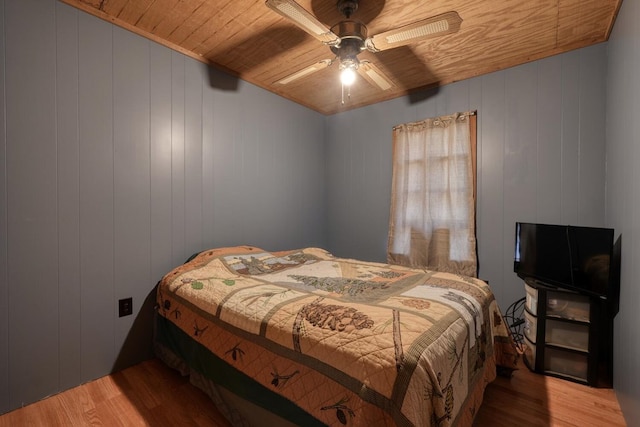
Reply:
x=252, y=42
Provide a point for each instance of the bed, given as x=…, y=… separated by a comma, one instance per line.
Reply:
x=302, y=337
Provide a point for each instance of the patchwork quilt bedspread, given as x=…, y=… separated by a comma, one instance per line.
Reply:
x=331, y=341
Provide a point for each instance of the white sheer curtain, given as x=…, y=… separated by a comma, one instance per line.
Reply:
x=432, y=219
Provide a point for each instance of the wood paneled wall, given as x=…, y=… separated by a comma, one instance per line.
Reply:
x=623, y=198
x=541, y=158
x=119, y=158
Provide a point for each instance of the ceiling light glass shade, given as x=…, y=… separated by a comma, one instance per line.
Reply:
x=348, y=76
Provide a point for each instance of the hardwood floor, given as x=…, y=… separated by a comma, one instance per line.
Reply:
x=528, y=399
x=150, y=394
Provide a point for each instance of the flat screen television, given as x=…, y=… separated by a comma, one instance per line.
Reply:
x=566, y=256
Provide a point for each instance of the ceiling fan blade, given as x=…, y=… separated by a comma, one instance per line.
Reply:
x=434, y=26
x=320, y=65
x=303, y=19
x=373, y=75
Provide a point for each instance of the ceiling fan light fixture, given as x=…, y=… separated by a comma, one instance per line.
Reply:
x=348, y=67
x=348, y=38
x=348, y=76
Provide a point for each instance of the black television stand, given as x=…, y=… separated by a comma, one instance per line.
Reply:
x=568, y=334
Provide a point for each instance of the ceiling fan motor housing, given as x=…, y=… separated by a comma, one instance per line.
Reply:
x=352, y=36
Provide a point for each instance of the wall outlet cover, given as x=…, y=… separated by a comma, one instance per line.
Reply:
x=125, y=307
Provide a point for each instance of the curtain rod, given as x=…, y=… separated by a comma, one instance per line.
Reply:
x=467, y=113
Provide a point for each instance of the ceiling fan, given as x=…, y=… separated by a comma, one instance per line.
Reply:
x=348, y=38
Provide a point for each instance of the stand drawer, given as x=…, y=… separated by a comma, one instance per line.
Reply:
x=567, y=334
x=566, y=363
x=567, y=305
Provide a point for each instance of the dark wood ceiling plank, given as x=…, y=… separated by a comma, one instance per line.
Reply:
x=133, y=10
x=158, y=11
x=91, y=3
x=247, y=26
x=171, y=22
x=209, y=27
x=114, y=7
x=200, y=16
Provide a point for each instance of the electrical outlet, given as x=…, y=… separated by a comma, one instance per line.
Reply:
x=125, y=307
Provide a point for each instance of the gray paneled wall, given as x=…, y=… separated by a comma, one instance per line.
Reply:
x=119, y=158
x=31, y=197
x=96, y=196
x=68, y=190
x=4, y=288
x=540, y=158
x=623, y=198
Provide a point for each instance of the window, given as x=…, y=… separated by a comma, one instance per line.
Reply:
x=432, y=221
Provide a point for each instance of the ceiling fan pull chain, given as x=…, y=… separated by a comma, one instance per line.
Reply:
x=348, y=92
